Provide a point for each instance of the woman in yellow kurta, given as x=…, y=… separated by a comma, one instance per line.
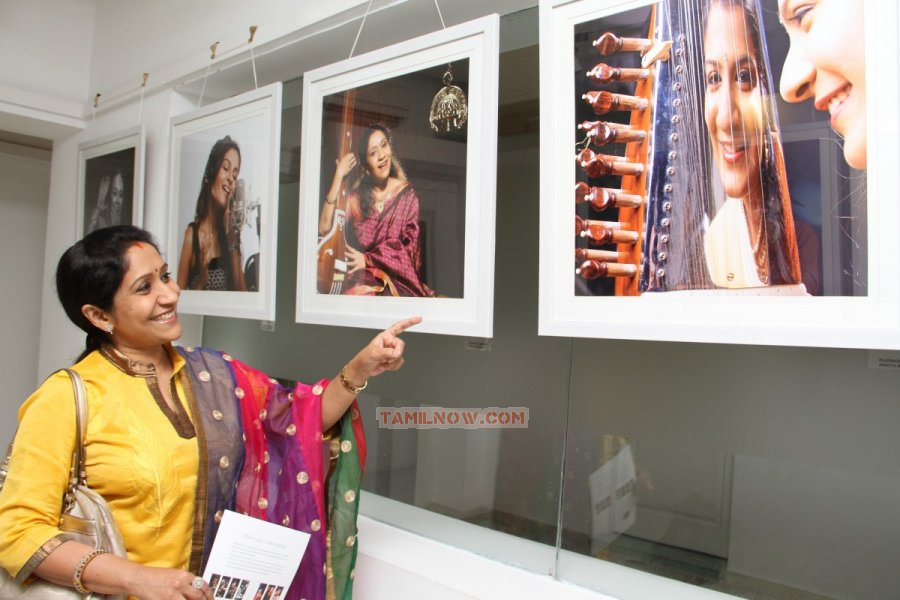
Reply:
x=141, y=459
x=165, y=441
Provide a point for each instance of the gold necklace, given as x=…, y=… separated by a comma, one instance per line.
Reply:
x=379, y=199
x=760, y=250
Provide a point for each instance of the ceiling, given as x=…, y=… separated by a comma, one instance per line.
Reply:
x=27, y=141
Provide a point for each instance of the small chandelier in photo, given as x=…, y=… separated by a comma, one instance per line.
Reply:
x=449, y=108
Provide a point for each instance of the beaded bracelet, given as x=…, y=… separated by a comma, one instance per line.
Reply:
x=348, y=385
x=79, y=570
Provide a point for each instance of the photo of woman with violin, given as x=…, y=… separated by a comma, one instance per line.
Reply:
x=383, y=252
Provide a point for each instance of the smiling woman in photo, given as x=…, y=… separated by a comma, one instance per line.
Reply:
x=110, y=199
x=750, y=241
x=826, y=64
x=384, y=256
x=211, y=252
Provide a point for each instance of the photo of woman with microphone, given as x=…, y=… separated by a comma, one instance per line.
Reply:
x=213, y=255
x=221, y=237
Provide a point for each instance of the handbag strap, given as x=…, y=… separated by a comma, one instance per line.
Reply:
x=78, y=475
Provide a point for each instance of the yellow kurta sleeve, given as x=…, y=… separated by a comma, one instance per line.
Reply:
x=136, y=457
x=32, y=496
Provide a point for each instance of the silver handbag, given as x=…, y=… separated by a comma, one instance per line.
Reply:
x=85, y=517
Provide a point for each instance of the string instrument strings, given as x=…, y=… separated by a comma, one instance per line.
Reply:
x=332, y=248
x=679, y=186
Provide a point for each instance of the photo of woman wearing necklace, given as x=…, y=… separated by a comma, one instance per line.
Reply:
x=750, y=241
x=383, y=254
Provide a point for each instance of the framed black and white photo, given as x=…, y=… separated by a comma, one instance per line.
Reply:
x=397, y=189
x=224, y=205
x=111, y=181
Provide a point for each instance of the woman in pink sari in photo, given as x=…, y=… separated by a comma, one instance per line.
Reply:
x=384, y=256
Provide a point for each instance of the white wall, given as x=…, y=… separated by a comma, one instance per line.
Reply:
x=51, y=42
x=133, y=37
x=171, y=38
x=44, y=77
x=24, y=187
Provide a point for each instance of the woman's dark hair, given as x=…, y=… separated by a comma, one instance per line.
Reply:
x=91, y=271
x=205, y=205
x=774, y=193
x=365, y=183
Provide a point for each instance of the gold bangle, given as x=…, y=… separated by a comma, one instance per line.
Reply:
x=82, y=565
x=353, y=389
x=332, y=202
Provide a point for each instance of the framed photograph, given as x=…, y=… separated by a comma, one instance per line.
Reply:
x=717, y=192
x=398, y=185
x=224, y=205
x=111, y=181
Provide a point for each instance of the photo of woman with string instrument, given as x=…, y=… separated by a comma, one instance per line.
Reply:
x=397, y=186
x=682, y=183
x=386, y=227
x=383, y=252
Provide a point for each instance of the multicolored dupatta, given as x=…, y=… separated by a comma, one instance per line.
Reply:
x=281, y=477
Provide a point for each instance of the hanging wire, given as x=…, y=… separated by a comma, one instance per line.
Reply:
x=212, y=57
x=94, y=112
x=253, y=58
x=141, y=104
x=361, y=25
x=439, y=14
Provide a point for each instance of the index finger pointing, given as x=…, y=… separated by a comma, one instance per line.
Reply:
x=401, y=326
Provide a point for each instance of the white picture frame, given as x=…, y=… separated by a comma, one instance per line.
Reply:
x=253, y=121
x=473, y=50
x=739, y=317
x=111, y=181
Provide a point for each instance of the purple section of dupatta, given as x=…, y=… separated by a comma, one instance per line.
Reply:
x=282, y=477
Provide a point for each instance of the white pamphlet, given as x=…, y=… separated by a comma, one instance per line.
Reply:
x=253, y=559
